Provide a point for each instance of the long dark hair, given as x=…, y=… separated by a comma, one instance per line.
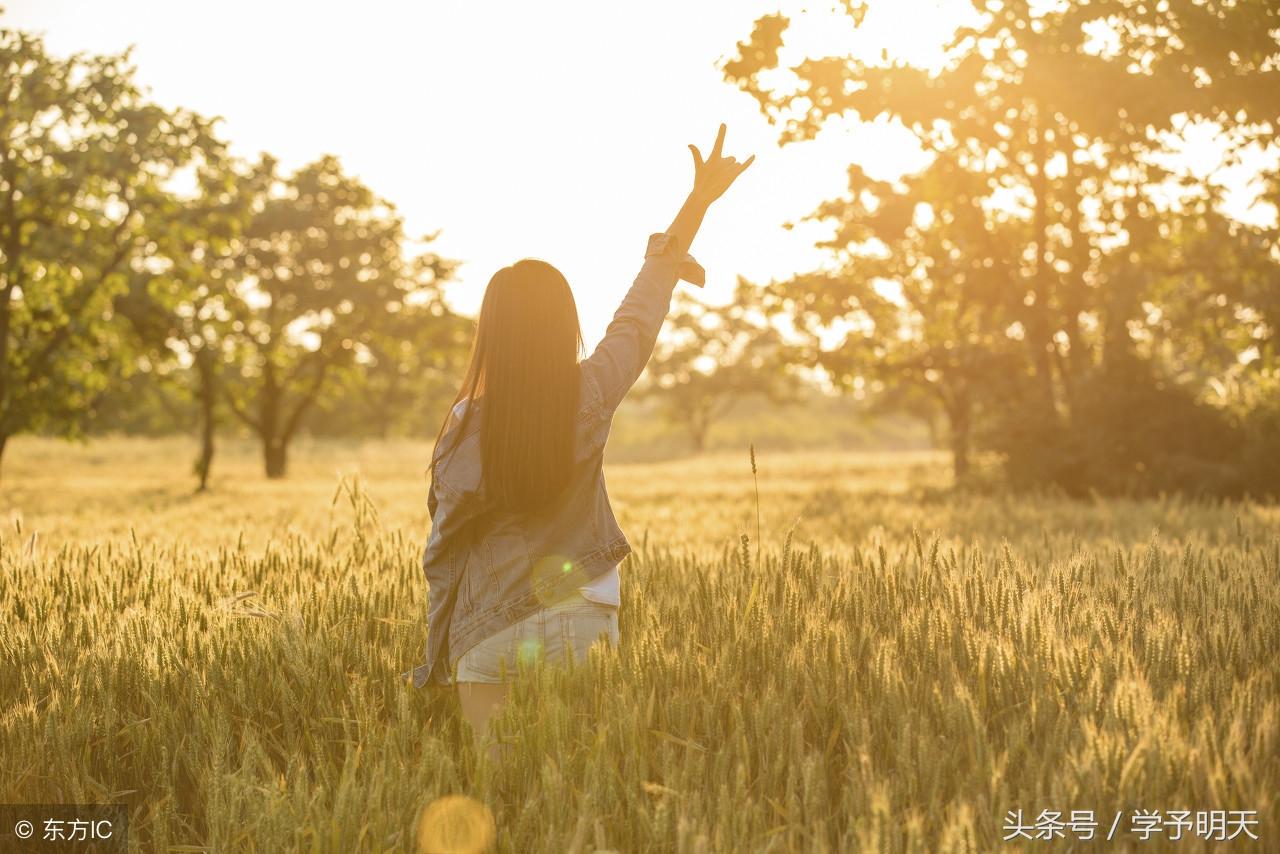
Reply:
x=523, y=375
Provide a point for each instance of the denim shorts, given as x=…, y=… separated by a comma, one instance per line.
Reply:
x=568, y=627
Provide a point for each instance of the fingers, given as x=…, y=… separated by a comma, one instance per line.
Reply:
x=715, y=152
x=697, y=156
x=745, y=164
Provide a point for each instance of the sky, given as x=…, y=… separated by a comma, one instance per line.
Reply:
x=556, y=130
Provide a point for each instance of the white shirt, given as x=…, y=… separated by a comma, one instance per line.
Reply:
x=603, y=588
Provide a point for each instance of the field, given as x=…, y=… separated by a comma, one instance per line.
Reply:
x=895, y=668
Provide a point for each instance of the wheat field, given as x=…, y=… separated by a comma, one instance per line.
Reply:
x=884, y=666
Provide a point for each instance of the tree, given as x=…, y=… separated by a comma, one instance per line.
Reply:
x=406, y=373
x=181, y=303
x=1051, y=122
x=710, y=357
x=920, y=282
x=322, y=272
x=142, y=402
x=84, y=160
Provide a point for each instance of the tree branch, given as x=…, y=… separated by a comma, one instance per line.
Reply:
x=84, y=293
x=308, y=397
x=253, y=423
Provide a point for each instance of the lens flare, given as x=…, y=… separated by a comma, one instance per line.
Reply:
x=545, y=571
x=455, y=824
x=528, y=650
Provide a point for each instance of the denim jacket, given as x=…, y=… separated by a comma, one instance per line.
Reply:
x=487, y=568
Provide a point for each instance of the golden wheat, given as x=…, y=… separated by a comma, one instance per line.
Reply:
x=898, y=669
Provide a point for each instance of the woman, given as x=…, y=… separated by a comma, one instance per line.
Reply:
x=524, y=548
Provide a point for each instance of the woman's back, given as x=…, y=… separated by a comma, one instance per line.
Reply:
x=489, y=565
x=520, y=515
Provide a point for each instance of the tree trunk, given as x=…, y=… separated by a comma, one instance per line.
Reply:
x=958, y=421
x=270, y=428
x=699, y=421
x=1123, y=298
x=208, y=392
x=1121, y=304
x=698, y=433
x=274, y=456
x=1039, y=331
x=1076, y=292
x=4, y=438
x=932, y=424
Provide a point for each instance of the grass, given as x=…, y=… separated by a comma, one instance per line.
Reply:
x=900, y=668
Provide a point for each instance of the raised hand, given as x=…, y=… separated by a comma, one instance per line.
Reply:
x=711, y=177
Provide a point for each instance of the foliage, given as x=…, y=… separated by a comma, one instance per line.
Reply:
x=405, y=380
x=181, y=304
x=710, y=357
x=144, y=403
x=1051, y=230
x=1145, y=435
x=922, y=286
x=141, y=265
x=322, y=274
x=84, y=160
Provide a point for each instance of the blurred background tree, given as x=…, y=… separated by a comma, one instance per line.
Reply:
x=710, y=357
x=84, y=161
x=323, y=274
x=407, y=370
x=1059, y=283
x=180, y=304
x=1054, y=217
x=918, y=292
x=205, y=329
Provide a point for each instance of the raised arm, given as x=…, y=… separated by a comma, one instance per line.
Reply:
x=711, y=177
x=621, y=355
